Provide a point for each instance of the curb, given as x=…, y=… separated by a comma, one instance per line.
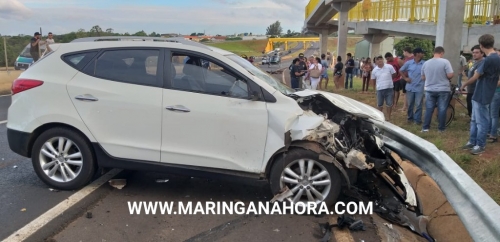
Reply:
x=444, y=224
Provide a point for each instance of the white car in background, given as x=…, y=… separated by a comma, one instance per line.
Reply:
x=154, y=105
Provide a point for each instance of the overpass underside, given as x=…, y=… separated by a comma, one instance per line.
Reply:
x=469, y=35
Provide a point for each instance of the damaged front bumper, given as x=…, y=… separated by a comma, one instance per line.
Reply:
x=342, y=132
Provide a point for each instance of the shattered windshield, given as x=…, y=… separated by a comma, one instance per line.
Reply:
x=261, y=75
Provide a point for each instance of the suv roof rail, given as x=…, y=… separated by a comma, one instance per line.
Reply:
x=180, y=40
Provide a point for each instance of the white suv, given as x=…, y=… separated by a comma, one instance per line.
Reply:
x=180, y=106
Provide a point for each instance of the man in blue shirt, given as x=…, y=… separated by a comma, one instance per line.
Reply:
x=411, y=72
x=487, y=75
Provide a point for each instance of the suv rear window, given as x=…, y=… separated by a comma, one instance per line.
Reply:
x=79, y=60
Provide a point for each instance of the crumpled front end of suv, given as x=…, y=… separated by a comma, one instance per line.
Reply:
x=344, y=133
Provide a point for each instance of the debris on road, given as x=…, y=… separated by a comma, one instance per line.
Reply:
x=53, y=190
x=14, y=167
x=89, y=214
x=388, y=225
x=276, y=230
x=118, y=183
x=161, y=180
x=284, y=193
x=349, y=221
x=23, y=210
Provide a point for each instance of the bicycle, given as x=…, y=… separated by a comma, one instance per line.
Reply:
x=450, y=111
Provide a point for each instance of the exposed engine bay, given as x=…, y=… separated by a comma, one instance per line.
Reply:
x=370, y=171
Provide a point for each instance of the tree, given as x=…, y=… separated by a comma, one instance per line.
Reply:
x=154, y=34
x=413, y=43
x=193, y=34
x=274, y=29
x=109, y=30
x=81, y=33
x=140, y=33
x=95, y=30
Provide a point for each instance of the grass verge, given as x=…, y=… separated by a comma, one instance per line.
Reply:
x=6, y=80
x=247, y=47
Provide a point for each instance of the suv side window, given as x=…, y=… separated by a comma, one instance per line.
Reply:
x=134, y=66
x=195, y=74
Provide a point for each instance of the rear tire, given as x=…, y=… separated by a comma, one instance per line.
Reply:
x=63, y=159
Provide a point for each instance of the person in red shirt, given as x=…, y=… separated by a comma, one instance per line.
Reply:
x=394, y=62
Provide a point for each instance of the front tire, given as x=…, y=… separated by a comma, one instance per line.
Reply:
x=63, y=159
x=309, y=178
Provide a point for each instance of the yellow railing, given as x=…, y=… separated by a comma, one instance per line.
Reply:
x=476, y=11
x=310, y=7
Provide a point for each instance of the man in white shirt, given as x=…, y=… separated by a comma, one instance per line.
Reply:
x=382, y=75
x=49, y=41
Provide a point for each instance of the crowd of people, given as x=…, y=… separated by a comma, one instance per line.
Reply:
x=418, y=80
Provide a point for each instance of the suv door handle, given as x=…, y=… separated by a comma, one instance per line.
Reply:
x=178, y=108
x=86, y=97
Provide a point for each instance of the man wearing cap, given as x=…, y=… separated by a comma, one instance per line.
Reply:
x=34, y=47
x=412, y=74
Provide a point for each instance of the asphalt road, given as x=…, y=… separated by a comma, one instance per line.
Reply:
x=286, y=63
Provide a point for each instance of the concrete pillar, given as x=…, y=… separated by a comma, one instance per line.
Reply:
x=449, y=31
x=375, y=40
x=343, y=29
x=323, y=41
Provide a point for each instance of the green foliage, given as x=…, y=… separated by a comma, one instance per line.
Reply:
x=204, y=40
x=426, y=45
x=274, y=29
x=15, y=45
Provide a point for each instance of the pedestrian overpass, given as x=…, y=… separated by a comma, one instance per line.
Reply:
x=454, y=24
x=271, y=41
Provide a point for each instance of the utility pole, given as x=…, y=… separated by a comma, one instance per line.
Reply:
x=39, y=50
x=5, y=50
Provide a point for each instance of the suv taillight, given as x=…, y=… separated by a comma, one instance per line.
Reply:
x=20, y=85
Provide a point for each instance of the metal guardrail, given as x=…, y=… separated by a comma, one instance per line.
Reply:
x=476, y=11
x=478, y=212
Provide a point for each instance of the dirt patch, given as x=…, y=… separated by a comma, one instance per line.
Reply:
x=6, y=79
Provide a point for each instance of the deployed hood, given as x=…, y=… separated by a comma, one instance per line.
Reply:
x=347, y=104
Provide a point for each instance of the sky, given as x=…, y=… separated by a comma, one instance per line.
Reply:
x=161, y=16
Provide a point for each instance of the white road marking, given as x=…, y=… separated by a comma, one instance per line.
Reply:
x=7, y=95
x=2, y=122
x=35, y=225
